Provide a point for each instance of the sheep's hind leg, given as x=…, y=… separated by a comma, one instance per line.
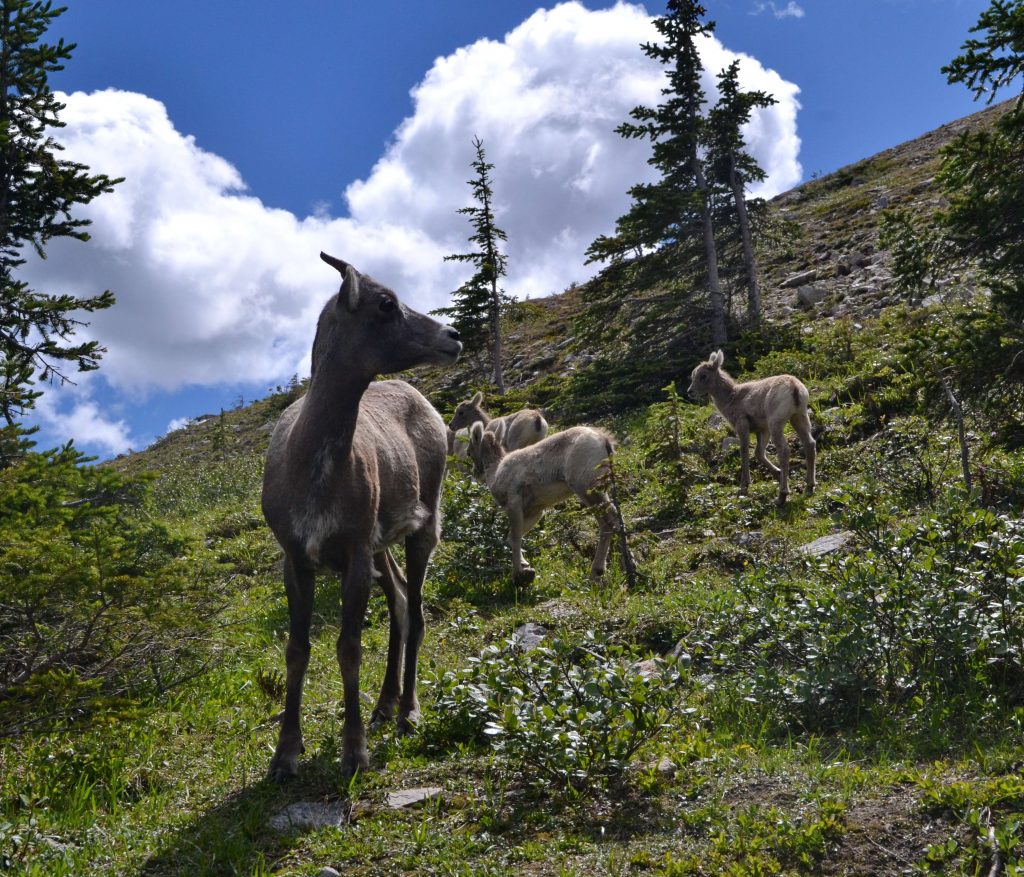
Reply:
x=743, y=433
x=782, y=449
x=393, y=584
x=418, y=548
x=522, y=573
x=802, y=424
x=762, y=456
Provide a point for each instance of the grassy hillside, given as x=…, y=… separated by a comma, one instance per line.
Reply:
x=751, y=707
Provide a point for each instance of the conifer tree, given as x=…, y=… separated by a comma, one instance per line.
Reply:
x=679, y=205
x=733, y=167
x=477, y=304
x=38, y=192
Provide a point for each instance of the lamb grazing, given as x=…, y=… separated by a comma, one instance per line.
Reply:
x=528, y=481
x=514, y=431
x=353, y=467
x=763, y=406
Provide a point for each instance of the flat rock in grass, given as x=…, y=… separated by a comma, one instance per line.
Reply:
x=328, y=872
x=412, y=797
x=826, y=544
x=648, y=668
x=307, y=815
x=529, y=636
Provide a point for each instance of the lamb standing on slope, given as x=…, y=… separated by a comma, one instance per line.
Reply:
x=528, y=481
x=514, y=431
x=763, y=406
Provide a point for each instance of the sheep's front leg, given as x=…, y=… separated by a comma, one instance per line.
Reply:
x=522, y=573
x=743, y=433
x=299, y=586
x=355, y=594
x=393, y=584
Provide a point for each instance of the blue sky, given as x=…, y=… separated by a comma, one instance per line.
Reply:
x=254, y=134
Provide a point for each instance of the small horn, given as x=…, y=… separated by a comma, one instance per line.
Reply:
x=334, y=263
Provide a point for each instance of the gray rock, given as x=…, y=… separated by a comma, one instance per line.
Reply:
x=530, y=635
x=307, y=815
x=648, y=669
x=799, y=279
x=666, y=766
x=826, y=544
x=716, y=420
x=730, y=441
x=328, y=871
x=808, y=296
x=412, y=797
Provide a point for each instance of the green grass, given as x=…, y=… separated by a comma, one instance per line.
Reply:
x=172, y=782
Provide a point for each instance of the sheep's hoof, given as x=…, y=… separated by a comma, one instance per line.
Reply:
x=781, y=501
x=809, y=489
x=525, y=576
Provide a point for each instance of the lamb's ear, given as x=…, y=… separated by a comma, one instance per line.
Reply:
x=476, y=432
x=717, y=359
x=478, y=398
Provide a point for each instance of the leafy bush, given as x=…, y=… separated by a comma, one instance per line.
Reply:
x=927, y=617
x=570, y=716
x=474, y=547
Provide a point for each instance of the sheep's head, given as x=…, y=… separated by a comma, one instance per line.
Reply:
x=484, y=449
x=468, y=412
x=703, y=377
x=367, y=317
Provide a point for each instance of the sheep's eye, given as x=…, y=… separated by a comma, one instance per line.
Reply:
x=387, y=304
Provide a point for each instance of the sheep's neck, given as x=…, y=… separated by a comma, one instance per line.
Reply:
x=491, y=463
x=723, y=390
x=330, y=412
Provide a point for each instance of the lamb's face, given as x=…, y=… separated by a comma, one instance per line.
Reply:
x=700, y=380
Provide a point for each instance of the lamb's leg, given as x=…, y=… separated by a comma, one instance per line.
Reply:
x=522, y=573
x=782, y=449
x=606, y=529
x=802, y=424
x=743, y=433
x=760, y=452
x=299, y=585
x=418, y=548
x=355, y=594
x=393, y=584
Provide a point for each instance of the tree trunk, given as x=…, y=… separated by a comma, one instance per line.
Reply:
x=719, y=334
x=498, y=377
x=749, y=263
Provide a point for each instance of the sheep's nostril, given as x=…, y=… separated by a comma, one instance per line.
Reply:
x=452, y=333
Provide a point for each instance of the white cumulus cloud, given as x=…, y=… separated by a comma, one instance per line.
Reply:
x=215, y=287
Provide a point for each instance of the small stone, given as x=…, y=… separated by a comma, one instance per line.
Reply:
x=799, y=279
x=648, y=669
x=826, y=544
x=808, y=296
x=666, y=766
x=530, y=635
x=328, y=871
x=307, y=815
x=716, y=420
x=730, y=442
x=412, y=797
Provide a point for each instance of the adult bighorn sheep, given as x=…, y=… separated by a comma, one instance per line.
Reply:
x=528, y=481
x=514, y=431
x=764, y=406
x=354, y=466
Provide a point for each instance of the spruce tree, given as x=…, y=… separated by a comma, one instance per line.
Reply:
x=733, y=167
x=477, y=304
x=679, y=205
x=38, y=192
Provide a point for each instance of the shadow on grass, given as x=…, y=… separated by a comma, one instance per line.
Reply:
x=233, y=836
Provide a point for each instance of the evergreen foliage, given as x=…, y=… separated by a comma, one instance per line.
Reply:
x=676, y=211
x=732, y=168
x=478, y=304
x=38, y=191
x=982, y=175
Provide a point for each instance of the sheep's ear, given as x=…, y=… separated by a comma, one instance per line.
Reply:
x=476, y=431
x=478, y=398
x=717, y=359
x=348, y=295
